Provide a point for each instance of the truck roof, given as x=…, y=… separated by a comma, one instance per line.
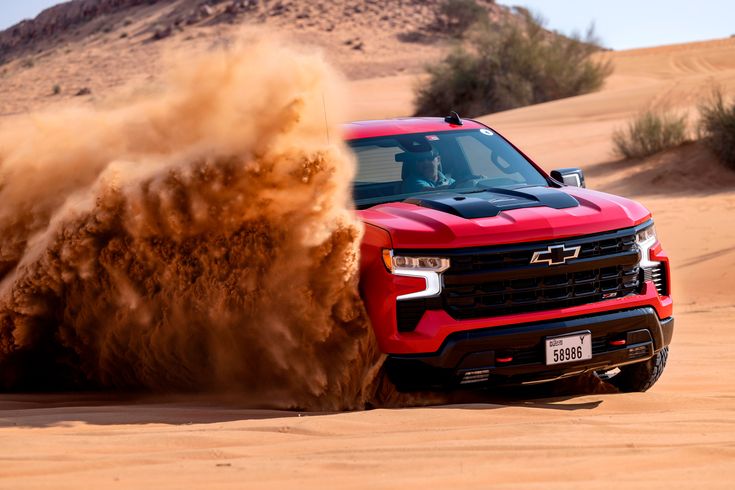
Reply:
x=405, y=125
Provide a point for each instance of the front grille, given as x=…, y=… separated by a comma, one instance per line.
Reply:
x=511, y=257
x=493, y=281
x=504, y=297
x=502, y=281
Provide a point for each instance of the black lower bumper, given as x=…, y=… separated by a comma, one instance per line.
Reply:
x=516, y=354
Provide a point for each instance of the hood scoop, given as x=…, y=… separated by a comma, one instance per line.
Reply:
x=492, y=202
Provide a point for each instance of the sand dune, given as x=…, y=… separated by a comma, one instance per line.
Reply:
x=681, y=434
x=675, y=77
x=690, y=193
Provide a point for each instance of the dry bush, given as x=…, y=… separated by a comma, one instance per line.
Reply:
x=456, y=16
x=717, y=127
x=650, y=132
x=514, y=65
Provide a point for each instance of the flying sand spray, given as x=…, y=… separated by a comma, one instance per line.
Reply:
x=197, y=238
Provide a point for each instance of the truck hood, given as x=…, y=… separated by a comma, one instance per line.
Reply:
x=495, y=217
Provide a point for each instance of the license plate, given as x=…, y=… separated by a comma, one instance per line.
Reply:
x=569, y=348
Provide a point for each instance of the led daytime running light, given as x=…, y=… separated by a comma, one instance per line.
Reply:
x=646, y=239
x=427, y=268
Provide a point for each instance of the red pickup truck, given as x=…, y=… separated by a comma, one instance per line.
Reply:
x=480, y=268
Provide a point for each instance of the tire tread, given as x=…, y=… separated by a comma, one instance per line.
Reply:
x=641, y=376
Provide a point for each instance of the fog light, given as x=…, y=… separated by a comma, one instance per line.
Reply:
x=476, y=376
x=636, y=352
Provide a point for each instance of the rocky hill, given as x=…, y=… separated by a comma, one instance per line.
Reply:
x=77, y=19
x=89, y=46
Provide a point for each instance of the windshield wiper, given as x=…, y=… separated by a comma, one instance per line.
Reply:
x=494, y=189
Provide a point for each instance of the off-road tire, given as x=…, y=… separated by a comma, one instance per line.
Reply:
x=641, y=376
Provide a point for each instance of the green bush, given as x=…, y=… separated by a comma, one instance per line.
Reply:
x=456, y=16
x=650, y=132
x=717, y=127
x=502, y=67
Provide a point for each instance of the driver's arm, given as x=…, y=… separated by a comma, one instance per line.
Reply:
x=445, y=182
x=415, y=185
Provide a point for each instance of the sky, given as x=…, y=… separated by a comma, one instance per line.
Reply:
x=13, y=11
x=620, y=24
x=626, y=24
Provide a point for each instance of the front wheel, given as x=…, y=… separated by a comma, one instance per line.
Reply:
x=641, y=376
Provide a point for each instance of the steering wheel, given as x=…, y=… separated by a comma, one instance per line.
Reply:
x=475, y=180
x=470, y=182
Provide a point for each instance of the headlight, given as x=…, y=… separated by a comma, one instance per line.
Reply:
x=646, y=235
x=652, y=270
x=427, y=268
x=398, y=263
x=646, y=238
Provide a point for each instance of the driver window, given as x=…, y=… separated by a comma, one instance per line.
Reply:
x=377, y=164
x=480, y=160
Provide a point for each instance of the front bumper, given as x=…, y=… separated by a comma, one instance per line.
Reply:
x=478, y=356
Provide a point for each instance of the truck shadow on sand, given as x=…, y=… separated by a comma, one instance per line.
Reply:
x=107, y=408
x=39, y=410
x=554, y=396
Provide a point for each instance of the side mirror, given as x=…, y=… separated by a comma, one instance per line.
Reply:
x=569, y=176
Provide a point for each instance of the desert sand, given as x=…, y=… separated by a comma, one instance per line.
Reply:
x=680, y=434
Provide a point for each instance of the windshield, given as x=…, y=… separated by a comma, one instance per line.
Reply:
x=393, y=168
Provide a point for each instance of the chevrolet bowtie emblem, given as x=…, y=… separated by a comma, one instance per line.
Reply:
x=555, y=255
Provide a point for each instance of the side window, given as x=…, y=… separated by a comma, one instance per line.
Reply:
x=377, y=164
x=482, y=160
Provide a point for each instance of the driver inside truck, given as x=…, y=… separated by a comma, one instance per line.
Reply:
x=422, y=172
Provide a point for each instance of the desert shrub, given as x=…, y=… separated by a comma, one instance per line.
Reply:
x=717, y=127
x=650, y=132
x=456, y=16
x=513, y=65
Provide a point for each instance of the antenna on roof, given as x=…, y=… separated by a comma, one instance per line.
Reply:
x=453, y=118
x=326, y=123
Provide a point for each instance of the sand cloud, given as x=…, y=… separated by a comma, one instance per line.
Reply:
x=199, y=237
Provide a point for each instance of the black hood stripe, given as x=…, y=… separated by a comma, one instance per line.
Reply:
x=492, y=202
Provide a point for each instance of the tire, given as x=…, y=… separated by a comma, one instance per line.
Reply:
x=641, y=376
